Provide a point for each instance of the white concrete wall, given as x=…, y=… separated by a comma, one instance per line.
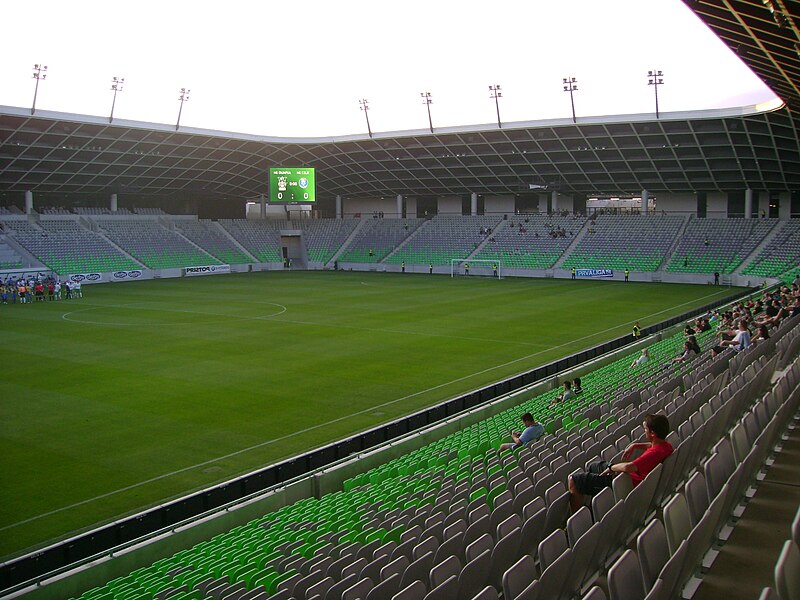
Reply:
x=449, y=205
x=367, y=206
x=543, y=198
x=677, y=204
x=498, y=205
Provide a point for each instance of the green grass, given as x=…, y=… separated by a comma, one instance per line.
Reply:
x=141, y=392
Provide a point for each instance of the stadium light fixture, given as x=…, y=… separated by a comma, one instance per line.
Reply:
x=570, y=85
x=365, y=107
x=655, y=78
x=496, y=93
x=116, y=86
x=39, y=74
x=427, y=100
x=184, y=97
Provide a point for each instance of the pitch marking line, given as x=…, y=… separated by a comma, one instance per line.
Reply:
x=314, y=427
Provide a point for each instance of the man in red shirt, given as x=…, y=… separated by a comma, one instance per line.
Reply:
x=600, y=475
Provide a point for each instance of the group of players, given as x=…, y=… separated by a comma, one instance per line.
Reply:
x=38, y=289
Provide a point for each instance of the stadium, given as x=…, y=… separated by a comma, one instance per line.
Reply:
x=216, y=392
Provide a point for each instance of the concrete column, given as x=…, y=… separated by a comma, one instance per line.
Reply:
x=748, y=203
x=473, y=204
x=399, y=206
x=645, y=202
x=263, y=207
x=554, y=201
x=113, y=205
x=28, y=202
x=338, y=207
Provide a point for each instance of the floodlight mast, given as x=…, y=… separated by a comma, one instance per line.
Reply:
x=116, y=86
x=365, y=107
x=39, y=74
x=496, y=93
x=427, y=100
x=570, y=85
x=655, y=78
x=184, y=97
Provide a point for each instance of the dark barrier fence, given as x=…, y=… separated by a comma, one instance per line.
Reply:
x=60, y=556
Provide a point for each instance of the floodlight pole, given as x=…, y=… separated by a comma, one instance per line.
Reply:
x=427, y=100
x=365, y=107
x=116, y=86
x=570, y=85
x=184, y=97
x=496, y=93
x=38, y=75
x=655, y=78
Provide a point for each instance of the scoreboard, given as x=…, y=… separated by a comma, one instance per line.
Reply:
x=291, y=185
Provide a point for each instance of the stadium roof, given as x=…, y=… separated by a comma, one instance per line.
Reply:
x=720, y=150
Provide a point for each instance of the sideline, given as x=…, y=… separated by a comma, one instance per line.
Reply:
x=342, y=418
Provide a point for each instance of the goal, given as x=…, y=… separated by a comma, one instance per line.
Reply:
x=460, y=267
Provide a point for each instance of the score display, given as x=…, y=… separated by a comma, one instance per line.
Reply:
x=291, y=185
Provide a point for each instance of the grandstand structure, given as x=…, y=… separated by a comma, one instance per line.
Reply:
x=445, y=514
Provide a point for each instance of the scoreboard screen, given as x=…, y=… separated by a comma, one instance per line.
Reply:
x=289, y=185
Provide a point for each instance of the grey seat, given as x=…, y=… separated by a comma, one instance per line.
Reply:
x=551, y=548
x=578, y=524
x=504, y=554
x=355, y=567
x=413, y=591
x=337, y=589
x=696, y=497
x=625, y=578
x=487, y=593
x=533, y=533
x=440, y=573
x=595, y=593
x=396, y=567
x=787, y=572
x=512, y=522
x=373, y=569
x=671, y=573
x=476, y=530
x=518, y=576
x=554, y=581
x=474, y=575
x=320, y=588
x=676, y=521
x=419, y=570
x=385, y=590
x=557, y=512
x=476, y=548
x=602, y=503
x=585, y=559
x=430, y=544
x=359, y=590
x=445, y=591
x=653, y=551
x=451, y=547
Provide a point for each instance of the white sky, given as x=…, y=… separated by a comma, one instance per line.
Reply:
x=299, y=68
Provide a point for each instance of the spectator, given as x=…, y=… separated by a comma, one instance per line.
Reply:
x=741, y=341
x=566, y=394
x=695, y=346
x=532, y=432
x=576, y=385
x=688, y=349
x=600, y=474
x=762, y=333
x=643, y=358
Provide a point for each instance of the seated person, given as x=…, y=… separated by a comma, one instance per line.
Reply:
x=695, y=346
x=565, y=395
x=762, y=333
x=601, y=474
x=741, y=341
x=532, y=432
x=643, y=358
x=576, y=385
x=688, y=350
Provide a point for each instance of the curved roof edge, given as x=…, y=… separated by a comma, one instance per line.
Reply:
x=717, y=113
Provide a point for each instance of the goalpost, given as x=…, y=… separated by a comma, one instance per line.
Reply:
x=460, y=267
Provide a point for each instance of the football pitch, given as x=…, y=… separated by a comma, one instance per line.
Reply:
x=142, y=392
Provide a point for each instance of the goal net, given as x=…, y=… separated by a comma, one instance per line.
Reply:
x=460, y=267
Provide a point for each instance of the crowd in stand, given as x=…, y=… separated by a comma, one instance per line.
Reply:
x=38, y=289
